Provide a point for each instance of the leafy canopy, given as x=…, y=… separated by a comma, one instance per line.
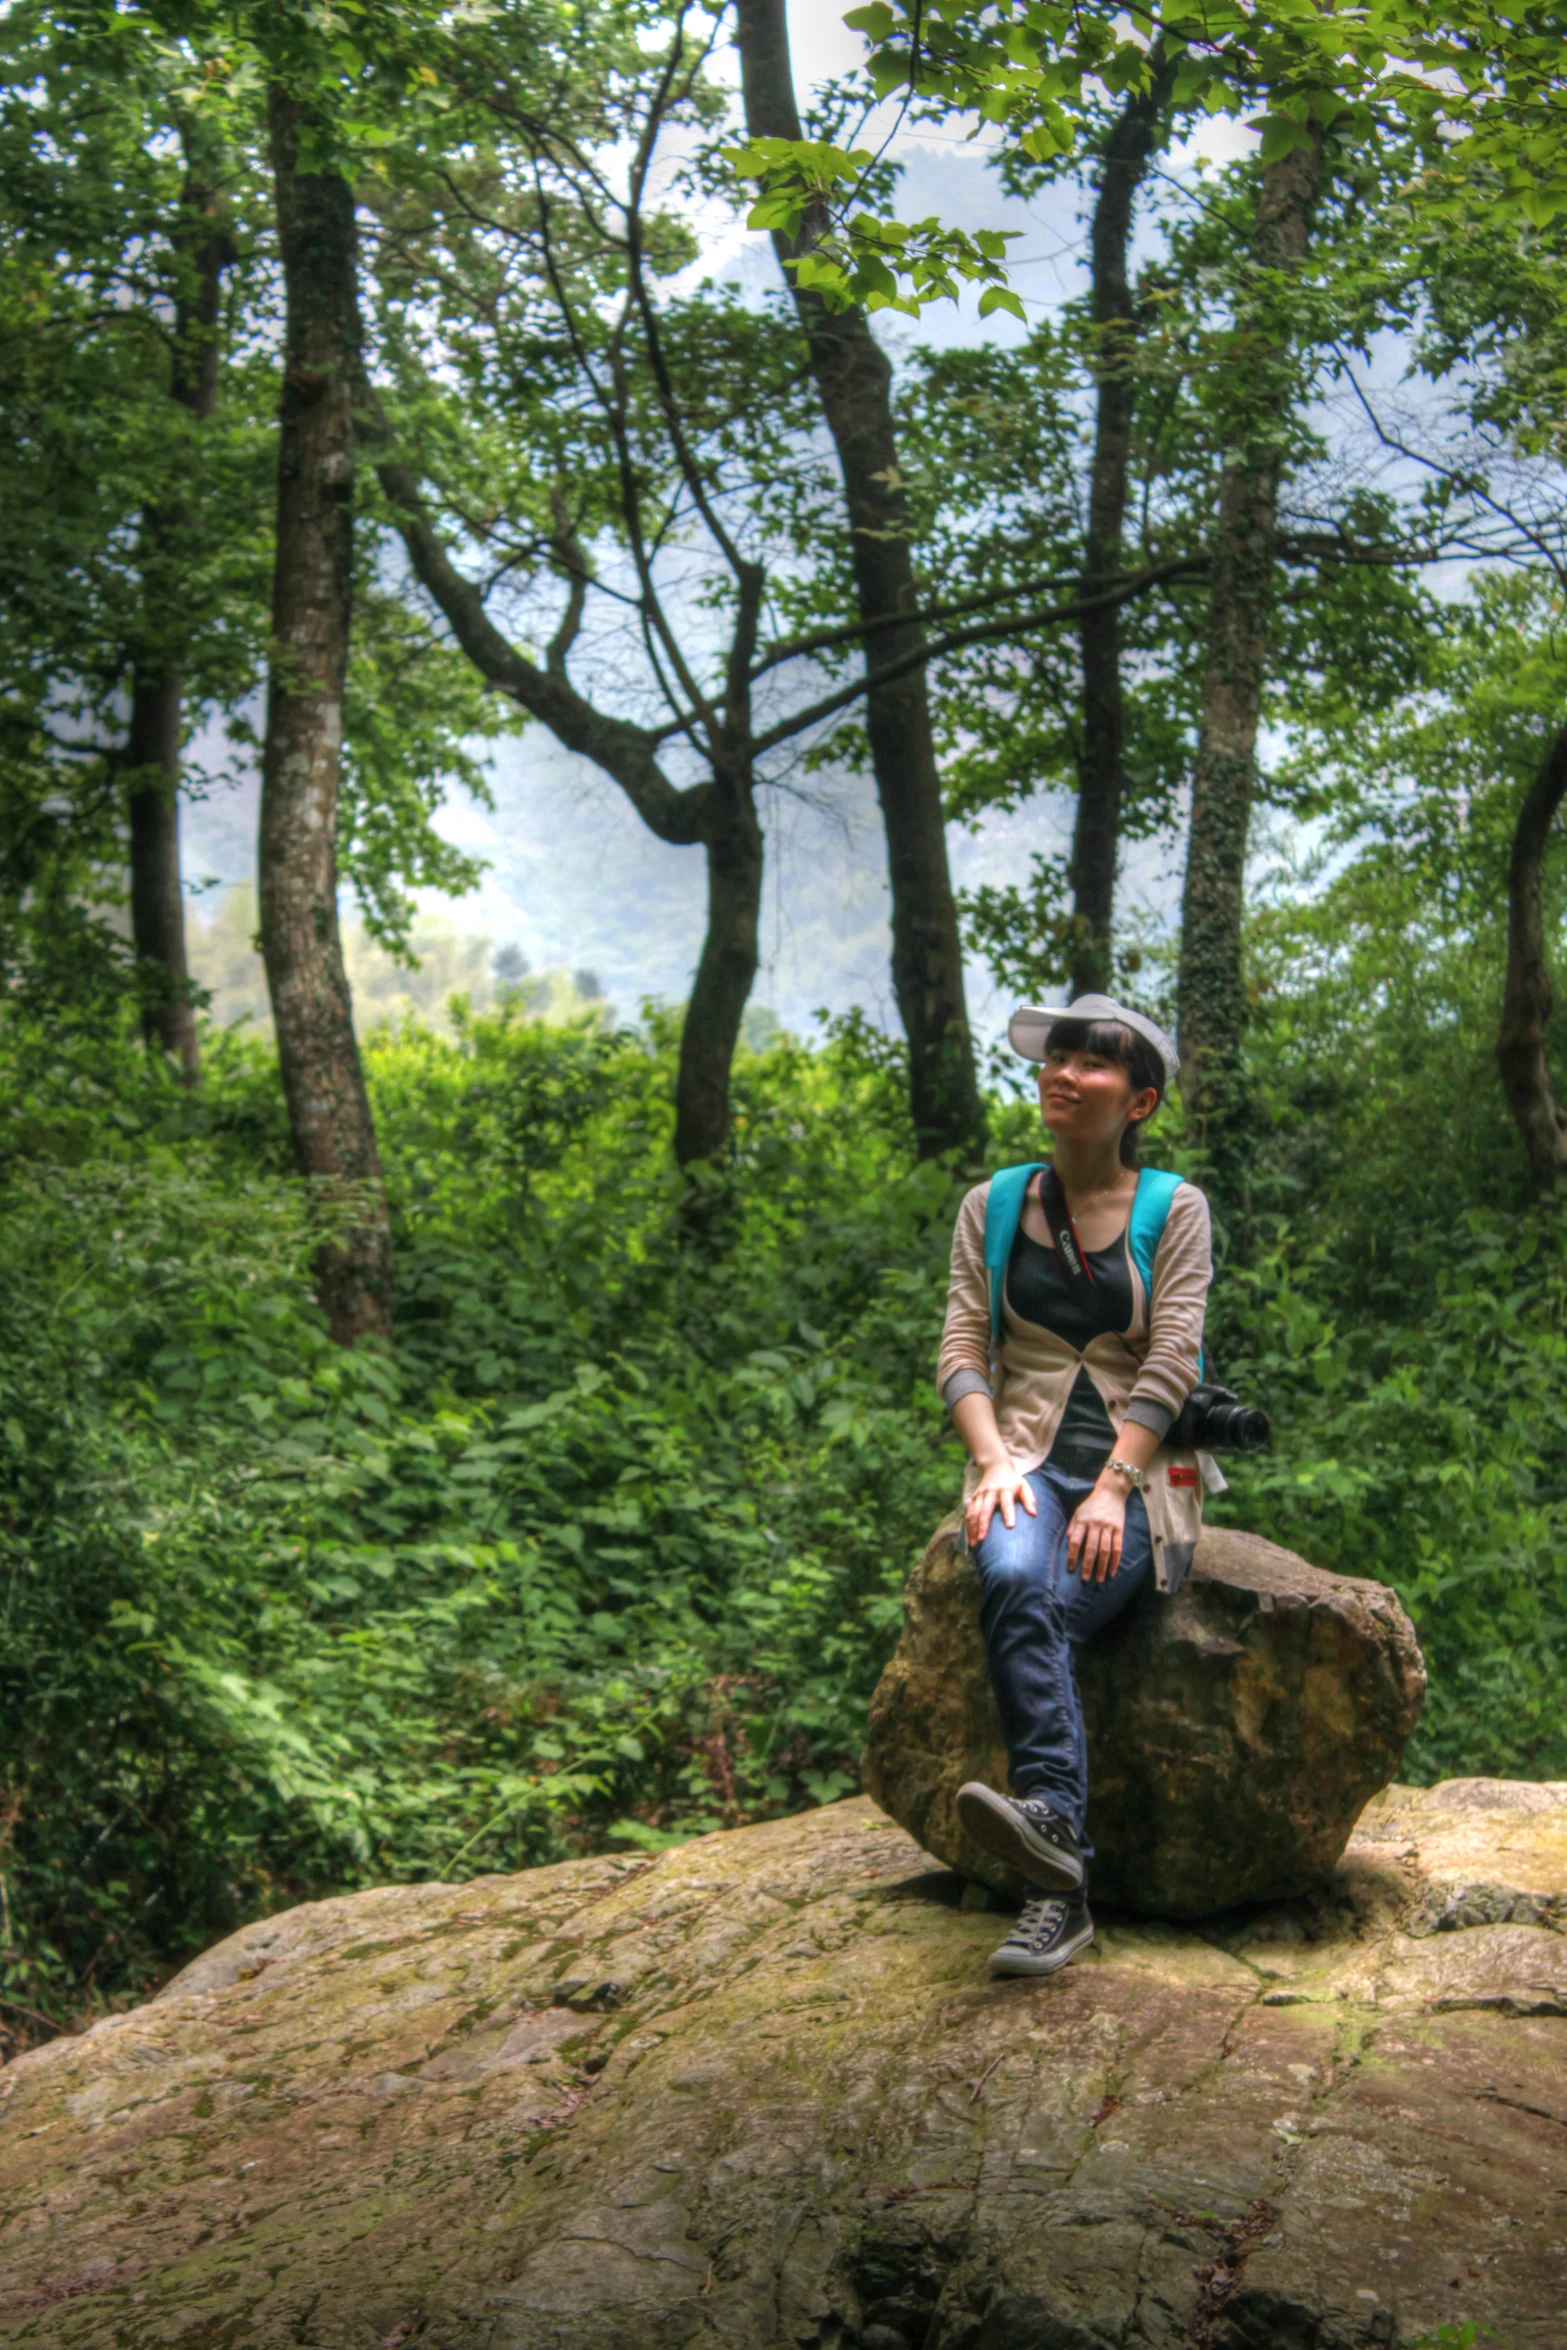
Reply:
x=1478, y=90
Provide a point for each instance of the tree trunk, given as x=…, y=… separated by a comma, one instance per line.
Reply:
x=1526, y=998
x=156, y=731
x=724, y=976
x=1211, y=988
x=157, y=898
x=318, y=1055
x=1101, y=783
x=855, y=380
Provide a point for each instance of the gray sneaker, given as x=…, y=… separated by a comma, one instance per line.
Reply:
x=1026, y=1833
x=1049, y=1933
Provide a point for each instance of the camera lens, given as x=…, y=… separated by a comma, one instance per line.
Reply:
x=1236, y=1427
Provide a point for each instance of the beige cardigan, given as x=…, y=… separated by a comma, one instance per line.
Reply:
x=1034, y=1372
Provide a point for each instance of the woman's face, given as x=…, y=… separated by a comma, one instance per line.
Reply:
x=1086, y=1098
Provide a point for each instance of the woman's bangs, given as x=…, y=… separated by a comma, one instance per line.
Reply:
x=1106, y=1039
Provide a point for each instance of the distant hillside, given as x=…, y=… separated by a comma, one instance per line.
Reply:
x=575, y=882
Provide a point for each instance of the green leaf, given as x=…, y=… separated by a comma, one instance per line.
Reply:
x=888, y=70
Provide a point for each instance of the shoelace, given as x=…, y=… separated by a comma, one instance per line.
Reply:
x=1049, y=1823
x=1038, y=1920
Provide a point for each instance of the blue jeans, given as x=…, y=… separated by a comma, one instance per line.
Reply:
x=1036, y=1615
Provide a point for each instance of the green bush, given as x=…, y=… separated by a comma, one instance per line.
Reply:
x=1425, y=1445
x=612, y=1549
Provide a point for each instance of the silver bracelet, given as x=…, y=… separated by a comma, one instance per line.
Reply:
x=1128, y=1469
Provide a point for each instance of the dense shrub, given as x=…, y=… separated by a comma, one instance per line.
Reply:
x=1425, y=1444
x=611, y=1549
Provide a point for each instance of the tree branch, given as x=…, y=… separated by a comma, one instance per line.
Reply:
x=1307, y=547
x=575, y=565
x=986, y=632
x=752, y=582
x=824, y=640
x=614, y=410
x=1321, y=547
x=625, y=752
x=685, y=456
x=1468, y=482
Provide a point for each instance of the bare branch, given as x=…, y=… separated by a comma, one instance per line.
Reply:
x=625, y=752
x=1468, y=482
x=985, y=632
x=685, y=457
x=822, y=640
x=614, y=406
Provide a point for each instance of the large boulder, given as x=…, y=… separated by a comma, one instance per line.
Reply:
x=1235, y=1731
x=758, y=2094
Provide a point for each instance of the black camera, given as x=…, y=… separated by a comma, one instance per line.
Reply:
x=1213, y=1419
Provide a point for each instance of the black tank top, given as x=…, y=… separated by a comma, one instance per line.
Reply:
x=1039, y=1291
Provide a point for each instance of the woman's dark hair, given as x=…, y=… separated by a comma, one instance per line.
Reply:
x=1129, y=1051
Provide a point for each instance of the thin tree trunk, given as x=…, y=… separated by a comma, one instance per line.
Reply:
x=1101, y=783
x=724, y=976
x=157, y=709
x=732, y=839
x=1527, y=1000
x=323, y=1081
x=1212, y=1003
x=721, y=814
x=855, y=381
x=157, y=898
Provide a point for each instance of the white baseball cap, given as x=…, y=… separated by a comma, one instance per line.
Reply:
x=1028, y=1030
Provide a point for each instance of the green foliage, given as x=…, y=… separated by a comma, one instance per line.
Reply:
x=93, y=259
x=1424, y=1444
x=613, y=1549
x=1390, y=1291
x=101, y=145
x=1483, y=87
x=870, y=258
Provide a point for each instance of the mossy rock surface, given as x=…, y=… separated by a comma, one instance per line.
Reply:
x=1235, y=1730
x=758, y=2094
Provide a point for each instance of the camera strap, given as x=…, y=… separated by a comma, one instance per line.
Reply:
x=1063, y=1231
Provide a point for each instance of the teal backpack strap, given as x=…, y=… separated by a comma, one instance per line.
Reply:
x=1150, y=1211
x=1003, y=1214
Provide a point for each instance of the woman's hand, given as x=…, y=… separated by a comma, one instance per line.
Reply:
x=1000, y=1487
x=1093, y=1540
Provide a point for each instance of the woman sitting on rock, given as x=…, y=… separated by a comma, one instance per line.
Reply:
x=1073, y=1337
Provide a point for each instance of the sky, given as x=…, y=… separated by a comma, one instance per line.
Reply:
x=575, y=879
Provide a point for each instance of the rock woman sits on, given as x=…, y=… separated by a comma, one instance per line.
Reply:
x=1073, y=1337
